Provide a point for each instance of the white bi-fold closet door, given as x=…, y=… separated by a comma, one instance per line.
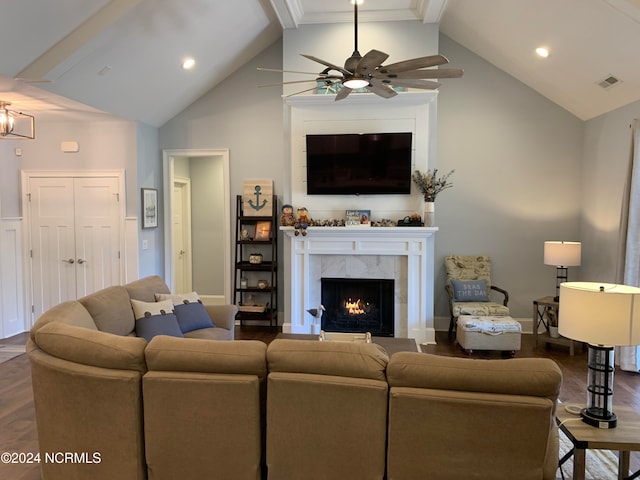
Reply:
x=75, y=238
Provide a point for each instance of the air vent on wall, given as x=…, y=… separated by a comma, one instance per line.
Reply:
x=609, y=81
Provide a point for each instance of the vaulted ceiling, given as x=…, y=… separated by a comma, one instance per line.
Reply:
x=123, y=57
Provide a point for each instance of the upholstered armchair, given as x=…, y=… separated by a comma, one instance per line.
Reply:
x=469, y=287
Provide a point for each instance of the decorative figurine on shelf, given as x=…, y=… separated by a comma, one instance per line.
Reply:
x=316, y=313
x=303, y=221
x=287, y=219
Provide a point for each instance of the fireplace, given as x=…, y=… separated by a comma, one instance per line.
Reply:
x=358, y=305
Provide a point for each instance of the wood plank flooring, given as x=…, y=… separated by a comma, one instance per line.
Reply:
x=17, y=416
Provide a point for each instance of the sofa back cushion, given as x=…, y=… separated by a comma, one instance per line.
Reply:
x=70, y=313
x=146, y=288
x=478, y=418
x=244, y=357
x=344, y=359
x=92, y=347
x=326, y=390
x=111, y=310
x=539, y=377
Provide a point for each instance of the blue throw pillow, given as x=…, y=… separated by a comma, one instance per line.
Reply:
x=470, y=290
x=192, y=316
x=161, y=324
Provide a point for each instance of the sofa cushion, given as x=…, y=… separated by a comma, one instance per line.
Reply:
x=146, y=288
x=160, y=324
x=211, y=334
x=111, y=310
x=92, y=347
x=470, y=290
x=519, y=376
x=178, y=298
x=207, y=356
x=70, y=313
x=344, y=359
x=192, y=316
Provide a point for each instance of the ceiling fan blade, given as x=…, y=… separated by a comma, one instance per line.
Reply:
x=427, y=73
x=262, y=69
x=301, y=91
x=326, y=64
x=382, y=90
x=344, y=93
x=411, y=83
x=415, y=63
x=319, y=79
x=372, y=60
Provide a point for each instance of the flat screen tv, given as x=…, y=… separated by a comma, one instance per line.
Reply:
x=359, y=164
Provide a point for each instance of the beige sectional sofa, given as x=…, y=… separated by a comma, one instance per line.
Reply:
x=194, y=408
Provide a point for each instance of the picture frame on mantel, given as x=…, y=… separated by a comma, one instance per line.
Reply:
x=149, y=207
x=358, y=218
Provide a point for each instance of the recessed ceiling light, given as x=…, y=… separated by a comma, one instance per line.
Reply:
x=188, y=63
x=542, y=52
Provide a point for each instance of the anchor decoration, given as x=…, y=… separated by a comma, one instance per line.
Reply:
x=257, y=205
x=257, y=197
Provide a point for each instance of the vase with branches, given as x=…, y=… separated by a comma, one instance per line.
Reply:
x=430, y=184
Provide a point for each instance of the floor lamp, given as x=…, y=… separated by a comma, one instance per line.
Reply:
x=604, y=316
x=562, y=255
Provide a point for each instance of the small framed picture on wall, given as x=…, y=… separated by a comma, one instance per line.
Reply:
x=263, y=230
x=149, y=208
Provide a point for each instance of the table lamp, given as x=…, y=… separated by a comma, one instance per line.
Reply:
x=562, y=255
x=603, y=315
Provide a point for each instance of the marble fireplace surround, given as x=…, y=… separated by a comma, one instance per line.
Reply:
x=405, y=254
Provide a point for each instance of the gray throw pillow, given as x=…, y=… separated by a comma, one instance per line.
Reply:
x=161, y=324
x=192, y=316
x=470, y=290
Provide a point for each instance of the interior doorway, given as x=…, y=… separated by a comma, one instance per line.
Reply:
x=197, y=220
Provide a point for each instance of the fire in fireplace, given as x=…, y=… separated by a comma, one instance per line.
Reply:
x=358, y=305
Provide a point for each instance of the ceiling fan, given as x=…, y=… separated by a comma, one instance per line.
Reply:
x=368, y=72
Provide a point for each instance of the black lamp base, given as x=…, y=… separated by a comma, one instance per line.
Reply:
x=597, y=417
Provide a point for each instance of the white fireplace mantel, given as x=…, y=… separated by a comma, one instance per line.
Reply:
x=413, y=244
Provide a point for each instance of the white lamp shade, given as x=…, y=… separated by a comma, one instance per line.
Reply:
x=562, y=254
x=600, y=313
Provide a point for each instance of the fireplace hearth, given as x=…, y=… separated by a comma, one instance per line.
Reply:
x=358, y=305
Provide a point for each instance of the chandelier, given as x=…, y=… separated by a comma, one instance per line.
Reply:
x=15, y=125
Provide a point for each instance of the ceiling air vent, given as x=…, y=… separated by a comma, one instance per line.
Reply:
x=609, y=81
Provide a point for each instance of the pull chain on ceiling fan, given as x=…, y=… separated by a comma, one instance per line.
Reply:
x=369, y=73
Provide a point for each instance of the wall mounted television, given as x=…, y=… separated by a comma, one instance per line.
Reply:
x=359, y=164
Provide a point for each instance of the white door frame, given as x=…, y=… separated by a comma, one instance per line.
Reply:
x=168, y=157
x=25, y=176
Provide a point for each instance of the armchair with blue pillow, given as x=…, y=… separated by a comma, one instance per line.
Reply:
x=469, y=287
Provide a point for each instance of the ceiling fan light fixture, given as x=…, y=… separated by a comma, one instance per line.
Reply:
x=15, y=125
x=355, y=83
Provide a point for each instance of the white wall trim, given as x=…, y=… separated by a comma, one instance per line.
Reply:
x=12, y=313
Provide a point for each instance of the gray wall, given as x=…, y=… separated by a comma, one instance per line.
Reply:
x=149, y=175
x=517, y=161
x=243, y=118
x=607, y=153
x=516, y=154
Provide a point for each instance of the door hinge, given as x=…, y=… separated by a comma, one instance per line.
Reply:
x=31, y=253
x=33, y=309
x=118, y=254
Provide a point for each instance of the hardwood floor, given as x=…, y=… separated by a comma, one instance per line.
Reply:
x=17, y=416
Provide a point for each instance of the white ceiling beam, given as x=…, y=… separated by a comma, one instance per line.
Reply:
x=431, y=11
x=289, y=12
x=98, y=22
